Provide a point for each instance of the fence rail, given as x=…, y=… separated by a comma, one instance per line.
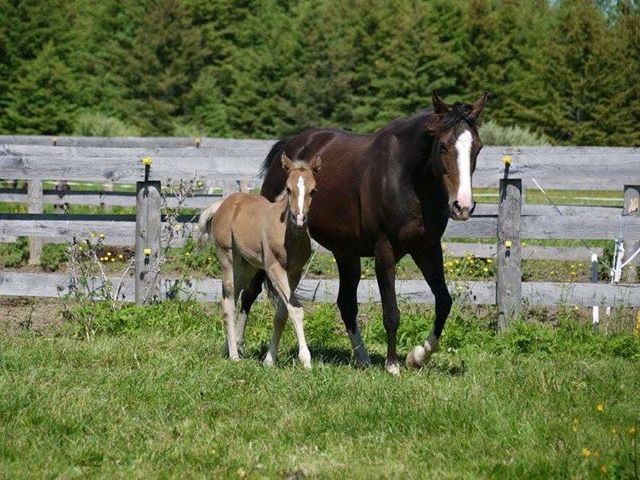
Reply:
x=326, y=290
x=226, y=162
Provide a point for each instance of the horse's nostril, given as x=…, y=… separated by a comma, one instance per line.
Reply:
x=455, y=207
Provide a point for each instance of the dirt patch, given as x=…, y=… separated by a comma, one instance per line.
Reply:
x=26, y=313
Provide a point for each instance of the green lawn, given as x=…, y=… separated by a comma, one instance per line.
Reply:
x=150, y=396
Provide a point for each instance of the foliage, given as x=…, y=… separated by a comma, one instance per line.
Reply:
x=493, y=134
x=54, y=255
x=266, y=69
x=91, y=124
x=14, y=254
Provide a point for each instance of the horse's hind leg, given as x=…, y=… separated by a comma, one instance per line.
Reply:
x=430, y=263
x=228, y=300
x=350, y=270
x=386, y=276
x=278, y=326
x=247, y=298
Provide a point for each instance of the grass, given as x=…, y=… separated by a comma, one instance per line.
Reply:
x=150, y=396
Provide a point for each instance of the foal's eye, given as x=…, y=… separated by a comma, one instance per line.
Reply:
x=312, y=192
x=288, y=190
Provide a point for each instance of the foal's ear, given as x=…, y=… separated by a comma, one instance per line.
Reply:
x=478, y=105
x=287, y=164
x=439, y=106
x=315, y=164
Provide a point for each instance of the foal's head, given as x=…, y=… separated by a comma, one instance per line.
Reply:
x=455, y=150
x=301, y=185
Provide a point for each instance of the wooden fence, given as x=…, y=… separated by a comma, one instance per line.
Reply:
x=223, y=163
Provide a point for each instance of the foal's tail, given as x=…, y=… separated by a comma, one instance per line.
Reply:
x=204, y=222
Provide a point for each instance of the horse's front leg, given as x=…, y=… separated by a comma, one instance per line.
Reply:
x=285, y=291
x=429, y=261
x=386, y=276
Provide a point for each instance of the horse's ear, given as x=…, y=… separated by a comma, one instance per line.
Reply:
x=439, y=106
x=433, y=124
x=316, y=163
x=478, y=105
x=287, y=164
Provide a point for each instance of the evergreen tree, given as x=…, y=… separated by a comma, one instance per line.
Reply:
x=41, y=99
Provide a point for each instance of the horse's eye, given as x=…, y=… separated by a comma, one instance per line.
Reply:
x=288, y=190
x=312, y=192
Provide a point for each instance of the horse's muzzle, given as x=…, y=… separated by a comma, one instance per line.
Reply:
x=456, y=212
x=299, y=220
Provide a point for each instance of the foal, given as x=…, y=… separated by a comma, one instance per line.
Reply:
x=253, y=234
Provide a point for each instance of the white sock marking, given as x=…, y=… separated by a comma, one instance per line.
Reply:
x=463, y=145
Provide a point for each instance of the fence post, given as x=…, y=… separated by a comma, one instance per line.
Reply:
x=147, y=249
x=35, y=201
x=508, y=259
x=631, y=244
x=228, y=187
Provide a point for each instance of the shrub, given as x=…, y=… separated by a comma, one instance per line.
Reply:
x=95, y=124
x=54, y=255
x=14, y=254
x=493, y=134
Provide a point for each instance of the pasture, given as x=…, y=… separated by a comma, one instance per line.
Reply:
x=150, y=396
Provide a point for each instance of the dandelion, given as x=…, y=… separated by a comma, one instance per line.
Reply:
x=147, y=252
x=108, y=254
x=120, y=256
x=524, y=244
x=600, y=407
x=485, y=269
x=93, y=234
x=188, y=254
x=586, y=453
x=489, y=261
x=113, y=259
x=101, y=236
x=506, y=159
x=632, y=430
x=508, y=243
x=147, y=161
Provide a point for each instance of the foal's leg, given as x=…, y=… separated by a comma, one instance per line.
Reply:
x=280, y=281
x=350, y=270
x=386, y=276
x=228, y=301
x=429, y=261
x=278, y=326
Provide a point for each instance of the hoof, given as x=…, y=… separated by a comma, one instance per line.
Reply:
x=363, y=361
x=416, y=357
x=268, y=361
x=393, y=368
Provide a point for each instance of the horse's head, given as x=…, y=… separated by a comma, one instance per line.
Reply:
x=301, y=185
x=455, y=150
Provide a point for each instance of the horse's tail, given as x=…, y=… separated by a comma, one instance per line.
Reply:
x=274, y=153
x=204, y=222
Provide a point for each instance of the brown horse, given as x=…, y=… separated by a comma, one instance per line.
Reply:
x=252, y=234
x=387, y=194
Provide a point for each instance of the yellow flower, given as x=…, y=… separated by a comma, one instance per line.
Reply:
x=113, y=259
x=101, y=235
x=108, y=254
x=120, y=256
x=485, y=269
x=93, y=234
x=489, y=261
x=506, y=159
x=600, y=407
x=241, y=473
x=632, y=430
x=147, y=161
x=508, y=243
x=586, y=453
x=524, y=244
x=147, y=251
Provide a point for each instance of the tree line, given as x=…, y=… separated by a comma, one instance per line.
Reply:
x=565, y=69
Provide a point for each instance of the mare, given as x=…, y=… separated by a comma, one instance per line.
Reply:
x=384, y=195
x=253, y=234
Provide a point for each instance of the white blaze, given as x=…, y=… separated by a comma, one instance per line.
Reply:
x=463, y=146
x=300, y=216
